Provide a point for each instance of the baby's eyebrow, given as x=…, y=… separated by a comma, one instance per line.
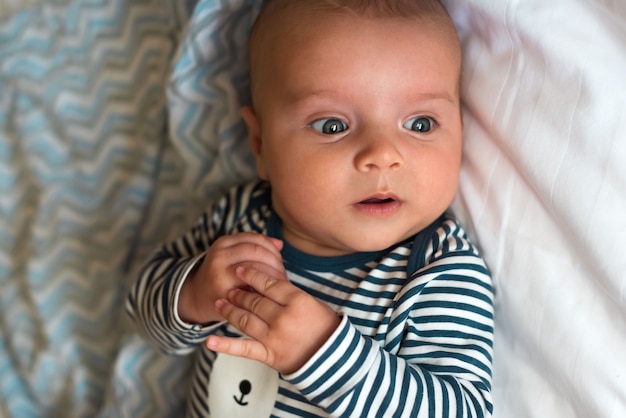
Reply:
x=310, y=95
x=440, y=95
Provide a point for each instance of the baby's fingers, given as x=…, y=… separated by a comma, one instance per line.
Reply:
x=278, y=290
x=243, y=319
x=239, y=347
x=247, y=247
x=256, y=304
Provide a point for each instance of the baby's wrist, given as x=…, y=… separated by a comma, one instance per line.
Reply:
x=191, y=308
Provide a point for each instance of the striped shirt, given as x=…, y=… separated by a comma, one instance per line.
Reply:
x=415, y=339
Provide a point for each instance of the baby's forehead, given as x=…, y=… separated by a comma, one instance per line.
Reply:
x=285, y=25
x=278, y=14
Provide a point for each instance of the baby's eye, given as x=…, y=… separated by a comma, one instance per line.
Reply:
x=422, y=124
x=329, y=126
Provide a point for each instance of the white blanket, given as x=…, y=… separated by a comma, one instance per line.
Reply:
x=544, y=190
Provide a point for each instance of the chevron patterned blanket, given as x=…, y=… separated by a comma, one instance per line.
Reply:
x=119, y=124
x=106, y=148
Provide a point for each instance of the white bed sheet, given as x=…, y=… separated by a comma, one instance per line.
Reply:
x=544, y=190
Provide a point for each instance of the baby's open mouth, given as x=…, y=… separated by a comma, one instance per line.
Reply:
x=379, y=205
x=377, y=201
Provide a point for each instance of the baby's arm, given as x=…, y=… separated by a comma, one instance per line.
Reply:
x=443, y=369
x=173, y=299
x=436, y=359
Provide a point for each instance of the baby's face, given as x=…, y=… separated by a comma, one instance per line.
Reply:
x=359, y=130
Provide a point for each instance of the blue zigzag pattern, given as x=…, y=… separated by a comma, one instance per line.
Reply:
x=208, y=85
x=205, y=152
x=91, y=179
x=82, y=117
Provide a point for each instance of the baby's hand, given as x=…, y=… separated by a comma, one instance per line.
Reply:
x=216, y=276
x=285, y=324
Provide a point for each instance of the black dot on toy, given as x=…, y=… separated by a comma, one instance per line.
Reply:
x=245, y=387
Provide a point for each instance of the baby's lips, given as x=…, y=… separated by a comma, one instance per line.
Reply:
x=379, y=198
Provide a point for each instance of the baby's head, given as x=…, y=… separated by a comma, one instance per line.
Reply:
x=355, y=119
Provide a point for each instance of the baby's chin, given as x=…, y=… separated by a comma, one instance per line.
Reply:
x=377, y=245
x=368, y=244
x=359, y=240
x=343, y=248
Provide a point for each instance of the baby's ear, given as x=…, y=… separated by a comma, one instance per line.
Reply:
x=254, y=136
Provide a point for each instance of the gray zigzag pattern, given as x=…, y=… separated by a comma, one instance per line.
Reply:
x=207, y=87
x=81, y=117
x=84, y=144
x=205, y=152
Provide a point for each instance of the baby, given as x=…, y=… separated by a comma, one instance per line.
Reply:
x=337, y=284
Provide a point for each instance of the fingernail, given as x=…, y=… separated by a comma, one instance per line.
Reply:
x=277, y=243
x=240, y=270
x=211, y=343
x=219, y=304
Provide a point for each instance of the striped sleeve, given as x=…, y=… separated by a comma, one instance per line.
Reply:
x=436, y=360
x=153, y=299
